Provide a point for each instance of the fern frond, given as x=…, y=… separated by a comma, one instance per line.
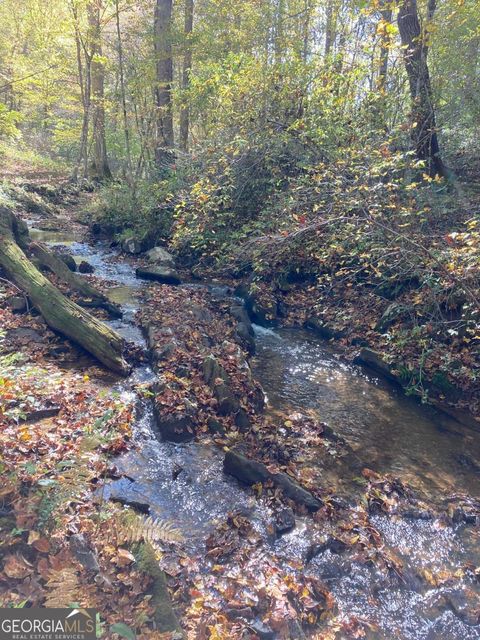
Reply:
x=63, y=588
x=77, y=473
x=148, y=529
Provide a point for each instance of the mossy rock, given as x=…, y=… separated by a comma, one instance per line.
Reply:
x=165, y=617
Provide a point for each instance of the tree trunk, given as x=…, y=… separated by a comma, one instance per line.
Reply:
x=415, y=51
x=187, y=67
x=279, y=32
x=126, y=130
x=306, y=31
x=76, y=282
x=84, y=77
x=385, y=43
x=100, y=168
x=163, y=91
x=329, y=29
x=60, y=313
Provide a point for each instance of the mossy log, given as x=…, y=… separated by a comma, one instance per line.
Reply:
x=60, y=313
x=165, y=617
x=76, y=282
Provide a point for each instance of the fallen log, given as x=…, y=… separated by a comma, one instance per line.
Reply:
x=76, y=282
x=60, y=313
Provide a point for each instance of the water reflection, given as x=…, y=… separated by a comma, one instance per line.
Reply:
x=388, y=431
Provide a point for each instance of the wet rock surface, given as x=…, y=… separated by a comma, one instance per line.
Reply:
x=85, y=267
x=250, y=472
x=261, y=309
x=323, y=330
x=162, y=274
x=68, y=259
x=176, y=427
x=18, y=304
x=217, y=379
x=284, y=521
x=375, y=361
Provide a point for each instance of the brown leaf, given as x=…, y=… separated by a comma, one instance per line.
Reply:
x=15, y=566
x=124, y=557
x=42, y=545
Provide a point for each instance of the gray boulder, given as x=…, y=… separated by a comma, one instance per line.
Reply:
x=85, y=267
x=217, y=379
x=132, y=245
x=374, y=360
x=158, y=255
x=68, y=260
x=323, y=330
x=18, y=304
x=159, y=273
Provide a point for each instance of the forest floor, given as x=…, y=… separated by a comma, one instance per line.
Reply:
x=64, y=420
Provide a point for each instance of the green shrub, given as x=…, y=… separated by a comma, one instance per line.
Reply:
x=146, y=210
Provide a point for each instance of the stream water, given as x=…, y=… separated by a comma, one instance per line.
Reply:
x=387, y=433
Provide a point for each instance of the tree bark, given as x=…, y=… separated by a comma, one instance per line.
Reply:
x=126, y=130
x=306, y=30
x=329, y=29
x=84, y=78
x=187, y=67
x=279, y=32
x=163, y=91
x=385, y=43
x=415, y=51
x=60, y=313
x=76, y=282
x=100, y=168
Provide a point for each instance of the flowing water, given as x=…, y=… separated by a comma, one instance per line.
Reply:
x=386, y=432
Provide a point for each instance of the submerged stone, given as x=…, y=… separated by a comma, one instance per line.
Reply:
x=284, y=521
x=262, y=630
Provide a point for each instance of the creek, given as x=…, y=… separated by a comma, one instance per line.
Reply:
x=385, y=431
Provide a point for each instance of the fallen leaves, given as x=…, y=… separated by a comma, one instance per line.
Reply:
x=15, y=566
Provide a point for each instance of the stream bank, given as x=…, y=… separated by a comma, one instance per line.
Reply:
x=378, y=559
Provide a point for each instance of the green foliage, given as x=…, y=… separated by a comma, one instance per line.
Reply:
x=9, y=121
x=124, y=631
x=145, y=210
